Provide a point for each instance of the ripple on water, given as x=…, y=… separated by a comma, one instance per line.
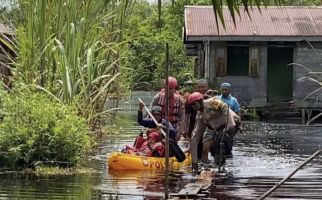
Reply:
x=263, y=155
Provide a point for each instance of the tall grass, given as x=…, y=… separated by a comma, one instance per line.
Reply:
x=70, y=49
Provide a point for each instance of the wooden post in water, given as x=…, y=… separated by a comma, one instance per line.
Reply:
x=290, y=175
x=303, y=116
x=166, y=194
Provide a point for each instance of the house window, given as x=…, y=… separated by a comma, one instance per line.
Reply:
x=221, y=61
x=237, y=60
x=253, y=61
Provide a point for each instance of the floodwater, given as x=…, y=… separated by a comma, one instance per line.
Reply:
x=263, y=155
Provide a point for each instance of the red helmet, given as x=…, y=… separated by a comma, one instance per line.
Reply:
x=154, y=135
x=195, y=96
x=172, y=82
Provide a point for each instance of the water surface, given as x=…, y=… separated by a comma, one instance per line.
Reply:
x=263, y=155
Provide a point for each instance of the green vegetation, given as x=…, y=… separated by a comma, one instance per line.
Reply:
x=65, y=63
x=69, y=49
x=36, y=129
x=149, y=27
x=68, y=58
x=146, y=36
x=44, y=171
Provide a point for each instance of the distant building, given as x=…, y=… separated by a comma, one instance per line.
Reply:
x=254, y=55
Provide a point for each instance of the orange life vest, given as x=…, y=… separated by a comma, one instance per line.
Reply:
x=173, y=106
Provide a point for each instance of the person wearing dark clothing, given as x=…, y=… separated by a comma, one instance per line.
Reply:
x=157, y=114
x=191, y=114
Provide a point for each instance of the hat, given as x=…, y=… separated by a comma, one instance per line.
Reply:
x=172, y=82
x=154, y=135
x=156, y=109
x=195, y=96
x=217, y=104
x=225, y=85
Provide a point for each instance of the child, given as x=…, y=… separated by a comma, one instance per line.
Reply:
x=151, y=147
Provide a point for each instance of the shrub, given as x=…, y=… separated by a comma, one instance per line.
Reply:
x=36, y=128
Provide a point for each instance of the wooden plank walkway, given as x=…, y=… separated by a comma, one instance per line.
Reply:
x=191, y=189
x=199, y=189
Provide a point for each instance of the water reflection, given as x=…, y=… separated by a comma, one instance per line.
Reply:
x=263, y=155
x=141, y=184
x=138, y=183
x=76, y=187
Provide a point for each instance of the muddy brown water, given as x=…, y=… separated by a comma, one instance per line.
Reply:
x=263, y=155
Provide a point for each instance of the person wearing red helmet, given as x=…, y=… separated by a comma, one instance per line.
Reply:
x=201, y=87
x=152, y=146
x=194, y=97
x=191, y=112
x=194, y=103
x=173, y=83
x=176, y=110
x=212, y=115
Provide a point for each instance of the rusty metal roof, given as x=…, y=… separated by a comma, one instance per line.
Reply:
x=272, y=22
x=5, y=30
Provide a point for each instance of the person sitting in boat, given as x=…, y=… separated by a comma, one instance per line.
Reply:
x=151, y=147
x=157, y=114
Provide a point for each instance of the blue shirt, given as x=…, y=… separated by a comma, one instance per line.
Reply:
x=232, y=102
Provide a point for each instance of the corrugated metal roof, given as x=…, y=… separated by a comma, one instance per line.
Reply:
x=269, y=22
x=5, y=30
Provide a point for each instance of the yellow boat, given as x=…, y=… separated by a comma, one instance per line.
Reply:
x=123, y=161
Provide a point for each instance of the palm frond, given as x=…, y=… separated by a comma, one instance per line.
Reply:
x=306, y=68
x=314, y=118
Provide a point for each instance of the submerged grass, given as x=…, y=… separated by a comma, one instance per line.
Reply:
x=58, y=171
x=47, y=172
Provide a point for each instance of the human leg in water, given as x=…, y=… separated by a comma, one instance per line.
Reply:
x=200, y=149
x=218, y=149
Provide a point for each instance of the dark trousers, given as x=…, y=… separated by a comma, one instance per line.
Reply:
x=228, y=141
x=199, y=150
